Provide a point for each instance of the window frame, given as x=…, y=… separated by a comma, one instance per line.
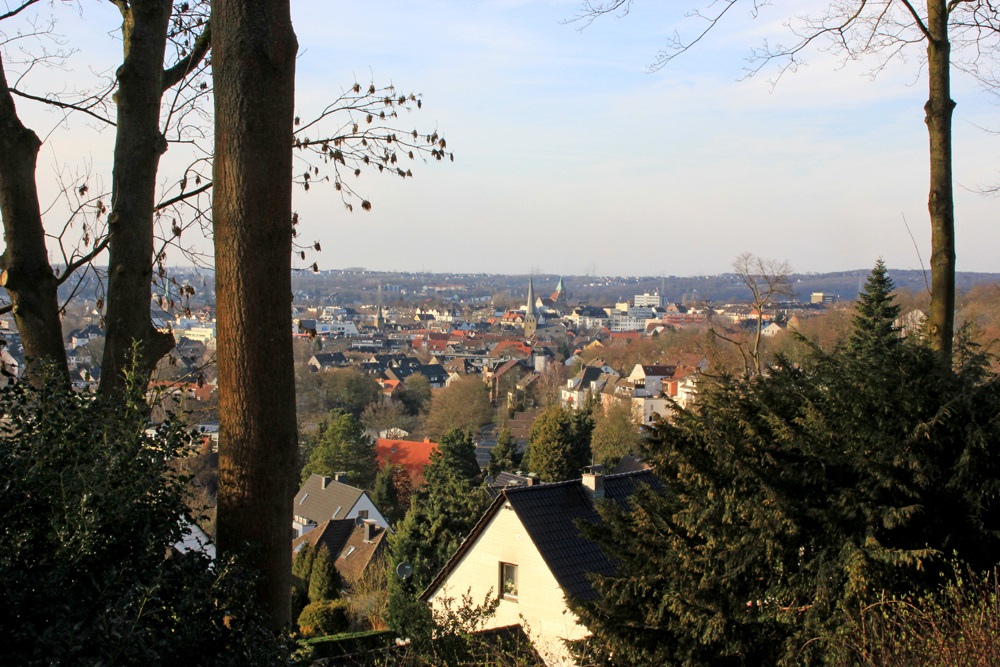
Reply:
x=504, y=569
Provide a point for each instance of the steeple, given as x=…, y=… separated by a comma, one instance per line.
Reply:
x=530, y=319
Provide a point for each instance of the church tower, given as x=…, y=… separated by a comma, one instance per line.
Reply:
x=530, y=317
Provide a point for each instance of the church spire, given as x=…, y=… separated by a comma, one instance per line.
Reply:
x=531, y=297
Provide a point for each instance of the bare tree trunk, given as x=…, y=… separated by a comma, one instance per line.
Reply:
x=26, y=272
x=138, y=147
x=941, y=200
x=254, y=51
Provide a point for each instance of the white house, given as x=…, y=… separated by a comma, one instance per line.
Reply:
x=527, y=550
x=323, y=498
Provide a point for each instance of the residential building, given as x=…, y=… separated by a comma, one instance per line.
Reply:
x=412, y=456
x=353, y=545
x=323, y=498
x=527, y=551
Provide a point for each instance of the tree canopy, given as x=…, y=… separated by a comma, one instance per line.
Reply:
x=441, y=514
x=341, y=445
x=90, y=513
x=790, y=500
x=464, y=404
x=560, y=444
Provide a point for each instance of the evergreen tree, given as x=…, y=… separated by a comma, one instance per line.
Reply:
x=385, y=495
x=441, y=514
x=341, y=445
x=455, y=455
x=875, y=318
x=324, y=580
x=302, y=563
x=615, y=435
x=559, y=446
x=791, y=500
x=504, y=456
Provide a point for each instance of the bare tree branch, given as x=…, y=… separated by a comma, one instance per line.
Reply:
x=17, y=10
x=63, y=105
x=186, y=65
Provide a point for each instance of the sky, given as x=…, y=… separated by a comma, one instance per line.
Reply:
x=571, y=157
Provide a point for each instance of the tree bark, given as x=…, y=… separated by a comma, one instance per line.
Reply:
x=27, y=274
x=941, y=200
x=138, y=147
x=254, y=51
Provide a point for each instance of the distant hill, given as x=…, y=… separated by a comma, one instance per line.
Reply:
x=361, y=286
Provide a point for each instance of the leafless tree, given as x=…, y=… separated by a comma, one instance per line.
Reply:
x=160, y=95
x=953, y=34
x=766, y=279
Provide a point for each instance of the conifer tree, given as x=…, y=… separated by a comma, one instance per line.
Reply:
x=441, y=514
x=324, y=580
x=456, y=454
x=560, y=444
x=875, y=318
x=302, y=563
x=791, y=500
x=341, y=445
x=384, y=494
x=504, y=456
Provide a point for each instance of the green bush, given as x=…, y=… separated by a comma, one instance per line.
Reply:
x=89, y=512
x=326, y=617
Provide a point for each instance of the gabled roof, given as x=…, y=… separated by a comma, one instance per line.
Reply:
x=345, y=538
x=323, y=498
x=413, y=456
x=549, y=514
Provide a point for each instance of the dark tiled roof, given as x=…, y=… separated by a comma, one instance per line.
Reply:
x=330, y=534
x=319, y=498
x=549, y=514
x=346, y=541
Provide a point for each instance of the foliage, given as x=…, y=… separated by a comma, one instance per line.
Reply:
x=324, y=617
x=324, y=580
x=956, y=625
x=350, y=390
x=383, y=416
x=416, y=393
x=464, y=404
x=793, y=498
x=89, y=509
x=455, y=456
x=560, y=444
x=504, y=456
x=615, y=435
x=302, y=562
x=341, y=445
x=441, y=514
x=385, y=495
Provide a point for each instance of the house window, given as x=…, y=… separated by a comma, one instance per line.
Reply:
x=508, y=581
x=362, y=514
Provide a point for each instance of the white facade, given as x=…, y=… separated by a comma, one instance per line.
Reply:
x=538, y=605
x=648, y=300
x=364, y=508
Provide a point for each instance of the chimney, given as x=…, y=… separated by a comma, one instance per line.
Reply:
x=340, y=477
x=326, y=481
x=593, y=483
x=370, y=529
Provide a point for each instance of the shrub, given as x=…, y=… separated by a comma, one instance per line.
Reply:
x=326, y=617
x=89, y=513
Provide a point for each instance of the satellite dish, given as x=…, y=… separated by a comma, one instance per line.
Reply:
x=358, y=521
x=404, y=570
